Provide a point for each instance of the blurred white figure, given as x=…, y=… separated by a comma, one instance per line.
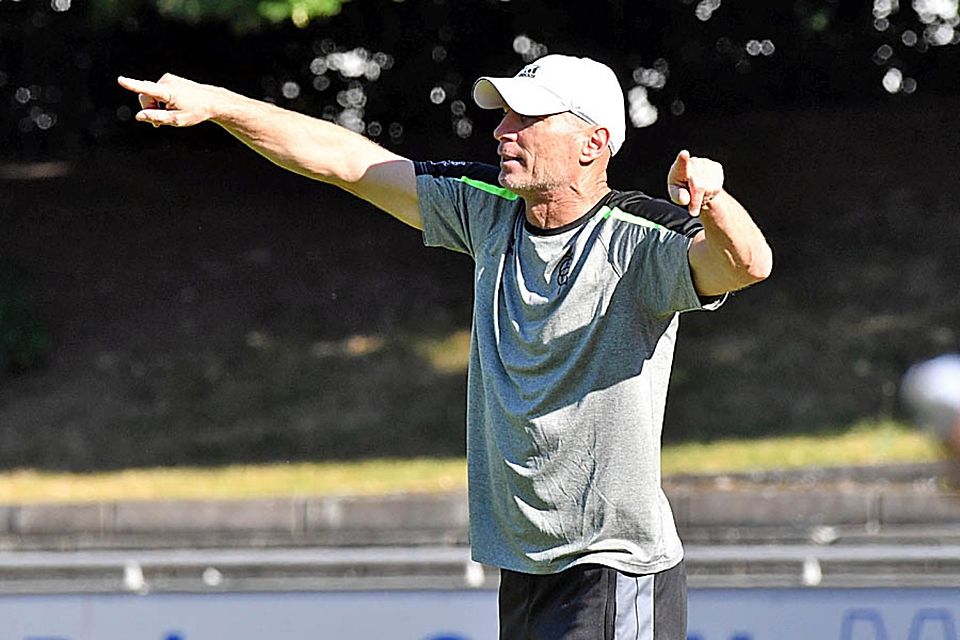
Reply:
x=931, y=390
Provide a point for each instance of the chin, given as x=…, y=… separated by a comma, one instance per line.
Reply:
x=513, y=181
x=509, y=181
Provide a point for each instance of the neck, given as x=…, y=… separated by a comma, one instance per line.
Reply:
x=559, y=206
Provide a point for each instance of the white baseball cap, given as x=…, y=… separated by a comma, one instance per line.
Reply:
x=556, y=84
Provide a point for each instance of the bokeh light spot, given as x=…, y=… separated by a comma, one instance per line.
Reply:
x=939, y=34
x=651, y=78
x=642, y=113
x=290, y=90
x=396, y=132
x=528, y=49
x=882, y=9
x=300, y=16
x=350, y=64
x=318, y=66
x=352, y=98
x=705, y=9
x=45, y=121
x=464, y=127
x=352, y=118
x=522, y=44
x=819, y=21
x=893, y=80
x=882, y=54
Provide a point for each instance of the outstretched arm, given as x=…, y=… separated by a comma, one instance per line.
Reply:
x=731, y=252
x=311, y=147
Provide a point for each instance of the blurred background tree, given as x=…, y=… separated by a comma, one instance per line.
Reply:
x=241, y=15
x=192, y=308
x=24, y=343
x=676, y=58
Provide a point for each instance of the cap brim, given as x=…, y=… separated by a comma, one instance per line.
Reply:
x=519, y=94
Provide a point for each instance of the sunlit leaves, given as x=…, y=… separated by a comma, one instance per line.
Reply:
x=243, y=15
x=300, y=12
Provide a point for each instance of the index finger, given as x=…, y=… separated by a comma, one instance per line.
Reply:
x=147, y=88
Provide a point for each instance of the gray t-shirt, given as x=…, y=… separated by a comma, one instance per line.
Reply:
x=570, y=356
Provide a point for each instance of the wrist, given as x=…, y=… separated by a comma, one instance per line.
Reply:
x=712, y=199
x=227, y=108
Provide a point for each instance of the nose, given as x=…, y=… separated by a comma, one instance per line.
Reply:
x=508, y=126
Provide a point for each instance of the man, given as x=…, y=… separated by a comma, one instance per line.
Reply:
x=577, y=292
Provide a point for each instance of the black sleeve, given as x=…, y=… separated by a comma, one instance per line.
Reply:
x=458, y=169
x=662, y=212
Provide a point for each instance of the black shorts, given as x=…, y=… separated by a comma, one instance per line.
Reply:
x=593, y=602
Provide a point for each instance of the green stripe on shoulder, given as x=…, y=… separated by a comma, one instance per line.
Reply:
x=623, y=216
x=490, y=188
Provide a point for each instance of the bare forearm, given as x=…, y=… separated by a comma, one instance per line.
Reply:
x=732, y=252
x=309, y=146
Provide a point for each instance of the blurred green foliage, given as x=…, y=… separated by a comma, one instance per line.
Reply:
x=23, y=340
x=242, y=15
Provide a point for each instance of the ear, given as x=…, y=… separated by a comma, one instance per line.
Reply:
x=596, y=144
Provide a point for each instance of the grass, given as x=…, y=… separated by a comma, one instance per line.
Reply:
x=863, y=444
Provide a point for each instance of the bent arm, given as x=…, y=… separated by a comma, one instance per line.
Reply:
x=309, y=146
x=731, y=252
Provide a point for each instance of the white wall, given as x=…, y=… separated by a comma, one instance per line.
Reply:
x=749, y=614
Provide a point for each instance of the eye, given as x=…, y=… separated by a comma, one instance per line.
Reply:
x=524, y=120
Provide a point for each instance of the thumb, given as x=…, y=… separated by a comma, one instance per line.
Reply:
x=683, y=158
x=678, y=195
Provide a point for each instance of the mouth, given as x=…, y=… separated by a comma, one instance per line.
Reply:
x=507, y=160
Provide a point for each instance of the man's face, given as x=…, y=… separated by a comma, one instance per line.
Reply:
x=539, y=153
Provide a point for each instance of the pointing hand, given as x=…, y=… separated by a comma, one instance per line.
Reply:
x=172, y=100
x=694, y=182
